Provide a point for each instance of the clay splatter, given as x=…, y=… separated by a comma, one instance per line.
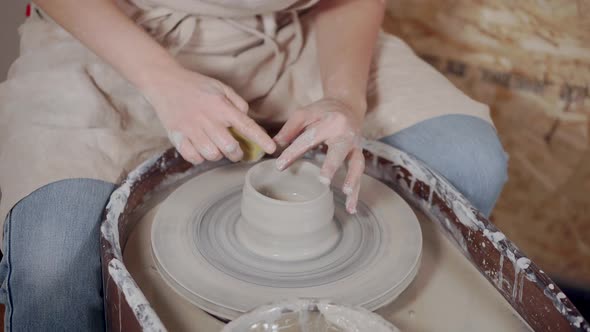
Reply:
x=147, y=318
x=467, y=216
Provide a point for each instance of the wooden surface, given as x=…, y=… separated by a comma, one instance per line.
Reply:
x=530, y=61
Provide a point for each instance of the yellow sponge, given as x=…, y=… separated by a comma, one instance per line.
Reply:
x=252, y=151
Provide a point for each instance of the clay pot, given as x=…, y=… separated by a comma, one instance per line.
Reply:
x=287, y=215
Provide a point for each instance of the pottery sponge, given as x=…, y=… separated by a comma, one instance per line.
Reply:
x=252, y=151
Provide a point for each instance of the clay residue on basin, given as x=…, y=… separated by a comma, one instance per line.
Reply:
x=448, y=294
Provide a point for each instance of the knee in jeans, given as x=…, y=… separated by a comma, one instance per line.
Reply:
x=57, y=261
x=54, y=237
x=491, y=165
x=466, y=150
x=483, y=167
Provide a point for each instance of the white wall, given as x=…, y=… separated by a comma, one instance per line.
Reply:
x=12, y=14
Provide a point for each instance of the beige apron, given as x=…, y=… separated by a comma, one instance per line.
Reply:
x=66, y=114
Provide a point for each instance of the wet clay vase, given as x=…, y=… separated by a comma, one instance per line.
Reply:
x=287, y=215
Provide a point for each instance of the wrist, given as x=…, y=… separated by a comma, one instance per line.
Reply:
x=154, y=77
x=358, y=105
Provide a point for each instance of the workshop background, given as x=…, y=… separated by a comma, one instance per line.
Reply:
x=530, y=61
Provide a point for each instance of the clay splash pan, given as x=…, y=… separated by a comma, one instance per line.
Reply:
x=257, y=235
x=449, y=224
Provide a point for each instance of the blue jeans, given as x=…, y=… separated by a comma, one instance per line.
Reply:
x=463, y=149
x=51, y=265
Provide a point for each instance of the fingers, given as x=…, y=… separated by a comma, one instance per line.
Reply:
x=337, y=152
x=310, y=138
x=247, y=127
x=189, y=152
x=235, y=99
x=225, y=142
x=205, y=146
x=352, y=182
x=352, y=198
x=294, y=126
x=176, y=138
x=185, y=147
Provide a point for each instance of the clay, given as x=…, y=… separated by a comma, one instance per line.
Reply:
x=543, y=310
x=448, y=294
x=199, y=248
x=286, y=215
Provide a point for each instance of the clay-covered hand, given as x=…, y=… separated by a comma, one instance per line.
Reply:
x=335, y=124
x=197, y=111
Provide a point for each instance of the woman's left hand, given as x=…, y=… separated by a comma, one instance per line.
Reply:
x=336, y=124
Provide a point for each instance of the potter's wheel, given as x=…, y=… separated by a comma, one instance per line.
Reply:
x=197, y=247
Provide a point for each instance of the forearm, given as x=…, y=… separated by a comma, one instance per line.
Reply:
x=347, y=31
x=114, y=37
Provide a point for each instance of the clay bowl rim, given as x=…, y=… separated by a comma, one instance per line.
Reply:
x=326, y=189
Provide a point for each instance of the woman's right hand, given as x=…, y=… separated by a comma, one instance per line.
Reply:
x=197, y=111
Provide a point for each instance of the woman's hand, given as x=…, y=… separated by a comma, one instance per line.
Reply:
x=197, y=111
x=336, y=124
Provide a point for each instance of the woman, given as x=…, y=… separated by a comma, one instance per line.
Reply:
x=81, y=108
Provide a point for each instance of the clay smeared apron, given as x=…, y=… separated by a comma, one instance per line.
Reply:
x=66, y=114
